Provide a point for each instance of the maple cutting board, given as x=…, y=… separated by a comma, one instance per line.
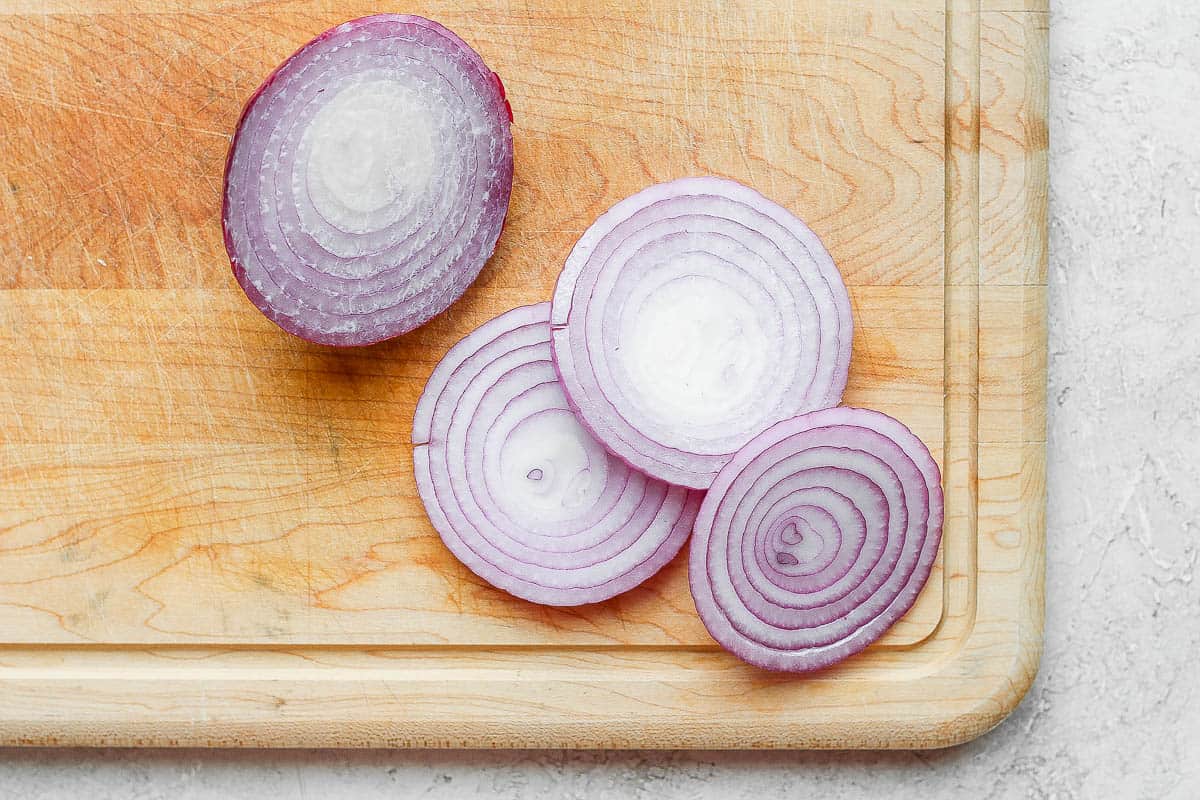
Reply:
x=209, y=531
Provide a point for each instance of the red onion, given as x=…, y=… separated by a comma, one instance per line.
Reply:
x=518, y=489
x=368, y=180
x=690, y=317
x=815, y=538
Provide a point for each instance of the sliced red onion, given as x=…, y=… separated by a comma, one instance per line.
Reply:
x=690, y=317
x=368, y=180
x=518, y=489
x=815, y=538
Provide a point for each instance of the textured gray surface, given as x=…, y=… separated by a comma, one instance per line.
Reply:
x=1115, y=712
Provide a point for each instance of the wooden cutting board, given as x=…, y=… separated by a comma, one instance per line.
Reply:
x=209, y=531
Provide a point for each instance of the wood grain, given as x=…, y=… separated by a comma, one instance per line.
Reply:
x=209, y=532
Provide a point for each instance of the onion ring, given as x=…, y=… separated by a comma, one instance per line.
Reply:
x=690, y=317
x=518, y=489
x=368, y=180
x=816, y=538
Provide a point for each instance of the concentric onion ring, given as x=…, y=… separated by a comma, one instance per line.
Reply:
x=518, y=489
x=690, y=317
x=816, y=538
x=368, y=180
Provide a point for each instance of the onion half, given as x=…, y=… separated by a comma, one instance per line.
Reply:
x=518, y=489
x=690, y=317
x=368, y=180
x=816, y=538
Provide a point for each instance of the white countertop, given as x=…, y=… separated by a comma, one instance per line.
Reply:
x=1115, y=711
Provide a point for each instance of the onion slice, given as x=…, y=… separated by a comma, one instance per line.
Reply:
x=815, y=538
x=518, y=489
x=690, y=317
x=368, y=180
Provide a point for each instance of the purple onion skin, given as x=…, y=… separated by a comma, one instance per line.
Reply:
x=741, y=628
x=291, y=324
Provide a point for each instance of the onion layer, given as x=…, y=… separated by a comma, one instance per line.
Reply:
x=815, y=538
x=518, y=489
x=690, y=317
x=368, y=180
